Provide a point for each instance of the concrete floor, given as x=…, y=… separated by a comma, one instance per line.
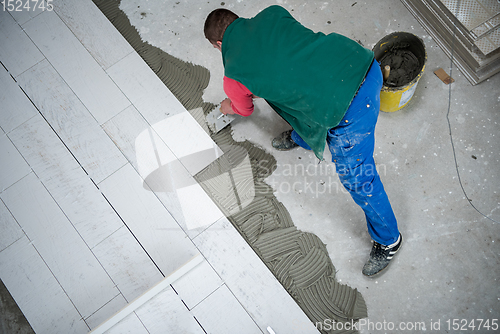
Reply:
x=443, y=187
x=449, y=266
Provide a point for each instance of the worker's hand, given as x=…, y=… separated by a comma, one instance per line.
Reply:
x=225, y=107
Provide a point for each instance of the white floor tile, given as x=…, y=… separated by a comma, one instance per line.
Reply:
x=130, y=325
x=17, y=53
x=222, y=313
x=197, y=284
x=106, y=312
x=69, y=185
x=251, y=281
x=180, y=131
x=146, y=297
x=127, y=264
x=59, y=244
x=72, y=121
x=144, y=89
x=11, y=231
x=165, y=313
x=25, y=10
x=12, y=165
x=76, y=66
x=16, y=107
x=149, y=221
x=37, y=293
x=166, y=176
x=94, y=31
x=188, y=141
x=139, y=143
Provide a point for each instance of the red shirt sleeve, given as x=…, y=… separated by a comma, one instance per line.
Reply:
x=240, y=96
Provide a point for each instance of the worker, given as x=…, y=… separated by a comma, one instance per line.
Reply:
x=327, y=87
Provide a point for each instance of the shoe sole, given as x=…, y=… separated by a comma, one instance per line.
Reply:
x=285, y=149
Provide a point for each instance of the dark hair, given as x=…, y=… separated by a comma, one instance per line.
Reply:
x=217, y=22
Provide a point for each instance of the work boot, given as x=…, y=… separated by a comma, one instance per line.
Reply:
x=284, y=141
x=380, y=256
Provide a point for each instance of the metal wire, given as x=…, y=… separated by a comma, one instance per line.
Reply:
x=449, y=124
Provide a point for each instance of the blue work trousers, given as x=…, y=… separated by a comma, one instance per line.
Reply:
x=352, y=143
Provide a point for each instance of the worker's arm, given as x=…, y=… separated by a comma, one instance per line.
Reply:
x=240, y=99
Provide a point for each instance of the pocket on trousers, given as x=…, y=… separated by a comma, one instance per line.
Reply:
x=337, y=138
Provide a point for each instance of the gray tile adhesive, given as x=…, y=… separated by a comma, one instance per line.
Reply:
x=235, y=182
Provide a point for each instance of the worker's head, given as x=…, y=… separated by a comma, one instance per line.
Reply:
x=216, y=23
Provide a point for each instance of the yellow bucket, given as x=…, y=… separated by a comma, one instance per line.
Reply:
x=394, y=97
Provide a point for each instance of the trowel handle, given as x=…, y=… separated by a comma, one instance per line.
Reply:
x=221, y=114
x=385, y=71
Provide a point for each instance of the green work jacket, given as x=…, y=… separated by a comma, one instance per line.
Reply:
x=308, y=78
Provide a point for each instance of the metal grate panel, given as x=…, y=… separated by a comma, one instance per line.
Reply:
x=473, y=13
x=487, y=27
x=490, y=42
x=476, y=53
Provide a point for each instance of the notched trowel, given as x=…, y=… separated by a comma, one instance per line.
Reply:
x=217, y=121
